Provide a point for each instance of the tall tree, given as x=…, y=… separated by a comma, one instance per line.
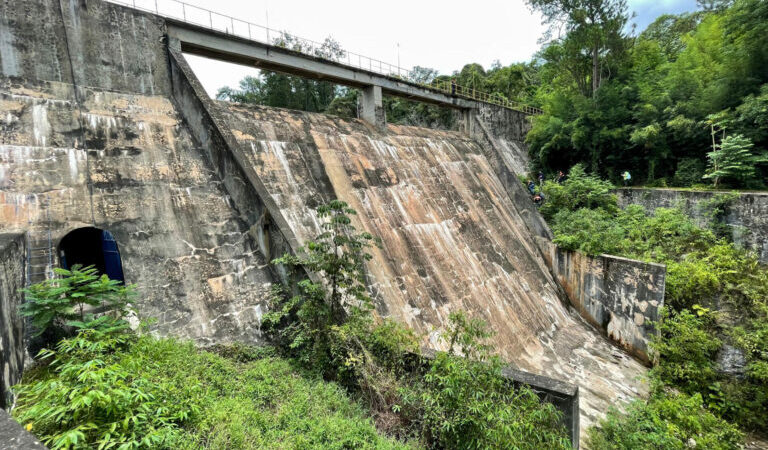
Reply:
x=594, y=28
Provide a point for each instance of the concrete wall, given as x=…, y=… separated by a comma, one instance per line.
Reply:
x=104, y=45
x=747, y=215
x=619, y=296
x=12, y=274
x=509, y=129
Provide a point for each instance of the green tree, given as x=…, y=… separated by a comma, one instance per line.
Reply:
x=594, y=28
x=74, y=299
x=307, y=323
x=733, y=159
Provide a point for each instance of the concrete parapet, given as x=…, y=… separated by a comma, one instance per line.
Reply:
x=14, y=437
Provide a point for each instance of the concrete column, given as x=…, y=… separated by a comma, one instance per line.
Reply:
x=467, y=124
x=371, y=106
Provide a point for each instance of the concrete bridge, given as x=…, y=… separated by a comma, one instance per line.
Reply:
x=199, y=34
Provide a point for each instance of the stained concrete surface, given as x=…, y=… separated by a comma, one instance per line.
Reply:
x=12, y=275
x=452, y=238
x=14, y=437
x=143, y=179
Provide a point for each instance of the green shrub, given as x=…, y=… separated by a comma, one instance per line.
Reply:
x=86, y=398
x=125, y=391
x=579, y=190
x=64, y=301
x=690, y=171
x=465, y=403
x=686, y=348
x=591, y=231
x=666, y=421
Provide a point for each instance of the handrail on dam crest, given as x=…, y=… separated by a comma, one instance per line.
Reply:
x=195, y=15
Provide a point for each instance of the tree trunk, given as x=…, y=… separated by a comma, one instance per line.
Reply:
x=595, y=71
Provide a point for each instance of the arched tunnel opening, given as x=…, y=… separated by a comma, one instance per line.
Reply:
x=92, y=246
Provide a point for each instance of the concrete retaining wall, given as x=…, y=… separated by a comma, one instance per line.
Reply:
x=621, y=297
x=747, y=215
x=509, y=129
x=12, y=255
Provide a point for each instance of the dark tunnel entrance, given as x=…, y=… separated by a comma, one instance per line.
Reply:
x=92, y=247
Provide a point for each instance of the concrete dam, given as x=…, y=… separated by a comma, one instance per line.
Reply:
x=105, y=126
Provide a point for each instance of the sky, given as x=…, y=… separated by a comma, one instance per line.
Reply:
x=443, y=35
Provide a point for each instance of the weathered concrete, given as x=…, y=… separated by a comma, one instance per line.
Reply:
x=104, y=45
x=371, y=106
x=747, y=214
x=494, y=140
x=508, y=129
x=12, y=274
x=14, y=437
x=621, y=297
x=453, y=237
x=144, y=179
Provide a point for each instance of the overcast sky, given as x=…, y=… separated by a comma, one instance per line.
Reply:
x=437, y=34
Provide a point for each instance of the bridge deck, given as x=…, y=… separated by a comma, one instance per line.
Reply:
x=218, y=45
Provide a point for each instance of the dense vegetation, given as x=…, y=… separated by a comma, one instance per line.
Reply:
x=337, y=377
x=716, y=295
x=121, y=390
x=655, y=104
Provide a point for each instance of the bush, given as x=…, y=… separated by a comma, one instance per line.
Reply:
x=87, y=398
x=68, y=301
x=690, y=171
x=666, y=421
x=579, y=190
x=592, y=231
x=465, y=403
x=687, y=348
x=141, y=392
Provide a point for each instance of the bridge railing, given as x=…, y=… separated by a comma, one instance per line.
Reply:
x=328, y=50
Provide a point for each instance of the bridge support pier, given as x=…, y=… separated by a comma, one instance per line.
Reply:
x=467, y=124
x=371, y=106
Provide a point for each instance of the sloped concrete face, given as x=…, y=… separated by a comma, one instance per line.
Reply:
x=452, y=238
x=143, y=179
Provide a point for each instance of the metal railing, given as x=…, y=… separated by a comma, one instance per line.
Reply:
x=195, y=15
